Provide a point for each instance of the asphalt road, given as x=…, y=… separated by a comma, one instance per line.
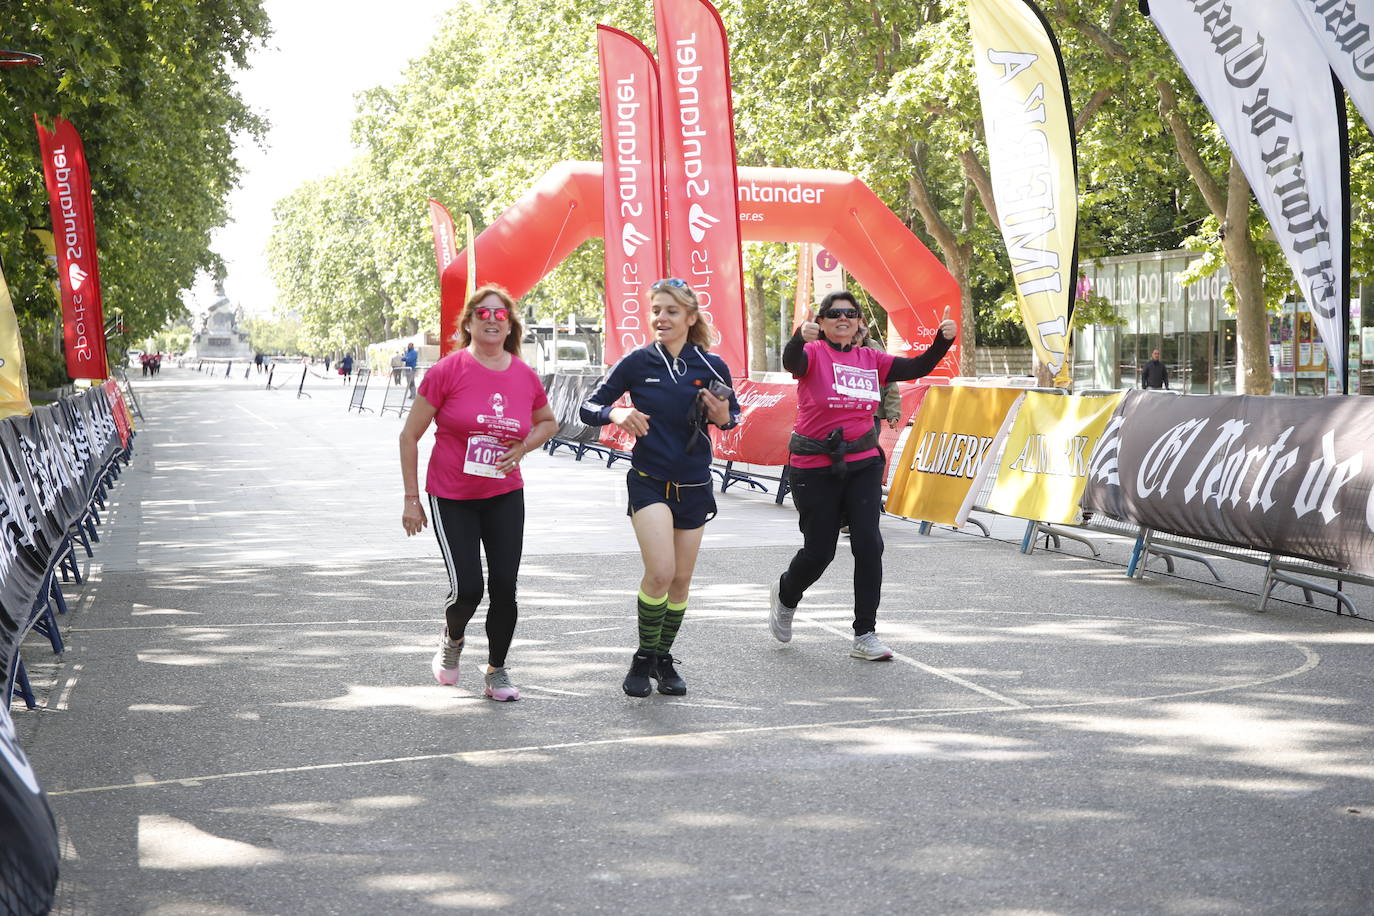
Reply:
x=245, y=722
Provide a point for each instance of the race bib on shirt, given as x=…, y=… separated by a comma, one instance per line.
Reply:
x=482, y=455
x=853, y=382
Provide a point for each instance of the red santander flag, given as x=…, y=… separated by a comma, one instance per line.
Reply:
x=699, y=167
x=445, y=246
x=73, y=230
x=632, y=187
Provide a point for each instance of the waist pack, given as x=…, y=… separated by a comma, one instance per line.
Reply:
x=834, y=446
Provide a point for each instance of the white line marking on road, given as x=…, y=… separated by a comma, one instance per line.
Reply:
x=1311, y=660
x=66, y=693
x=256, y=417
x=928, y=669
x=597, y=630
x=566, y=693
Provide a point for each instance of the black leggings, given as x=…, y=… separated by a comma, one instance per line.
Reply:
x=824, y=500
x=498, y=523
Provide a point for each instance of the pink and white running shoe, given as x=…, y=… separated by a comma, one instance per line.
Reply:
x=499, y=687
x=445, y=663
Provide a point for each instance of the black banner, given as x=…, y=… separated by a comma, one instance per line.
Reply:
x=50, y=464
x=566, y=394
x=1291, y=476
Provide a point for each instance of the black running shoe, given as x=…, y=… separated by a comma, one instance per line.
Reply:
x=637, y=681
x=669, y=681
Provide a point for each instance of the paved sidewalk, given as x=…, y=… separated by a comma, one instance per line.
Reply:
x=245, y=722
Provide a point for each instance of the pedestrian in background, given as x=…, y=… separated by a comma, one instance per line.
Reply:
x=1154, y=374
x=489, y=411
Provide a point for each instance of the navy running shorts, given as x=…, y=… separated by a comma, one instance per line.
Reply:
x=693, y=505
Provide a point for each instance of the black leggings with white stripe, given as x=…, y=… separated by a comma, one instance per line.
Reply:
x=466, y=528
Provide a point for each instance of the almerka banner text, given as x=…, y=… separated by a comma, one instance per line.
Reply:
x=1033, y=163
x=73, y=229
x=445, y=244
x=699, y=167
x=1269, y=88
x=632, y=199
x=1284, y=475
x=1045, y=462
x=1344, y=30
x=950, y=448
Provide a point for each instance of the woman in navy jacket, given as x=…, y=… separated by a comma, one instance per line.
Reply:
x=677, y=387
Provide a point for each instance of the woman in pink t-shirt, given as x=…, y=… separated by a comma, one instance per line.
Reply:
x=489, y=411
x=836, y=467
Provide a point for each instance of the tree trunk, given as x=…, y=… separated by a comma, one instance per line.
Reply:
x=1253, y=375
x=957, y=257
x=958, y=267
x=755, y=324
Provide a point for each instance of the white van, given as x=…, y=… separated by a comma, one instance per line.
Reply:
x=573, y=356
x=133, y=358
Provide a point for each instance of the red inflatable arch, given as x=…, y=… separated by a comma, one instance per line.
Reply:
x=833, y=209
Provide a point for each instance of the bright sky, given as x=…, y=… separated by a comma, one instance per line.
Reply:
x=319, y=56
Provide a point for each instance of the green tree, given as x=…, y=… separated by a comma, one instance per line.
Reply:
x=149, y=86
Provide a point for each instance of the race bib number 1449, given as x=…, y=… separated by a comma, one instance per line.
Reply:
x=853, y=382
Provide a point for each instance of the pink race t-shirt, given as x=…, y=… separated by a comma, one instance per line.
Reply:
x=840, y=388
x=479, y=413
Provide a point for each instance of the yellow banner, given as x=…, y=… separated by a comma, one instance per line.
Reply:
x=14, y=378
x=1045, y=464
x=954, y=437
x=1029, y=127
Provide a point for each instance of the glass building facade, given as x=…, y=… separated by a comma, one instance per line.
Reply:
x=1195, y=331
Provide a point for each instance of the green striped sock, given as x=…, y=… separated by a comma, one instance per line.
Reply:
x=672, y=620
x=650, y=621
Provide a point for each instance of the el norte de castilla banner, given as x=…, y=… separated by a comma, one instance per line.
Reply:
x=1293, y=476
x=1267, y=84
x=1032, y=163
x=1344, y=30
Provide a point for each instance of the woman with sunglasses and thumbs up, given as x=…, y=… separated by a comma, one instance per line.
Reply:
x=836, y=467
x=676, y=387
x=489, y=411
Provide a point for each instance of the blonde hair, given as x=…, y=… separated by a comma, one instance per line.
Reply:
x=517, y=330
x=702, y=333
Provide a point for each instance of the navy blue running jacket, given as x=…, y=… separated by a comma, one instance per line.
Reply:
x=665, y=389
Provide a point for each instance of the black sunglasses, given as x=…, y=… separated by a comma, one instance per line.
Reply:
x=665, y=283
x=841, y=313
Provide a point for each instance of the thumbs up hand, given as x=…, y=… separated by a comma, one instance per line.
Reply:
x=810, y=330
x=947, y=325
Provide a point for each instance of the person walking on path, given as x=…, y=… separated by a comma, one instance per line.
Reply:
x=1154, y=374
x=489, y=411
x=410, y=359
x=676, y=387
x=836, y=467
x=346, y=366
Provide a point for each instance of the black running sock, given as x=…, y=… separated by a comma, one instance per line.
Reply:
x=650, y=621
x=672, y=621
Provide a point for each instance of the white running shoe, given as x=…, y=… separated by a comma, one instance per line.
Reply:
x=779, y=616
x=870, y=648
x=445, y=662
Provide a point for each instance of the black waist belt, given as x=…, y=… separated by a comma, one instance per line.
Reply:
x=834, y=446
